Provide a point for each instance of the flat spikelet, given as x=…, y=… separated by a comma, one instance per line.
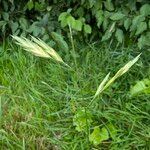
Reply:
x=38, y=48
x=104, y=84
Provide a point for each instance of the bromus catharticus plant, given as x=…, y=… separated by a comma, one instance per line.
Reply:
x=82, y=118
x=39, y=48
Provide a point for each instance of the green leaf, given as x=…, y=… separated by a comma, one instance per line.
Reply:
x=63, y=46
x=5, y=6
x=106, y=36
x=119, y=35
x=36, y=30
x=77, y=25
x=44, y=21
x=127, y=23
x=141, y=41
x=144, y=40
x=91, y=3
x=112, y=131
x=39, y=6
x=145, y=10
x=62, y=16
x=5, y=16
x=98, y=135
x=23, y=23
x=141, y=28
x=2, y=23
x=136, y=21
x=117, y=16
x=14, y=26
x=87, y=28
x=64, y=23
x=109, y=5
x=99, y=17
x=30, y=4
x=80, y=12
x=104, y=134
x=142, y=86
x=71, y=21
x=82, y=119
x=107, y=14
x=105, y=24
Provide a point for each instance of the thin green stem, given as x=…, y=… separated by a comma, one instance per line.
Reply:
x=73, y=47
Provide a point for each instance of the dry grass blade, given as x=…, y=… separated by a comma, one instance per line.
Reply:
x=38, y=48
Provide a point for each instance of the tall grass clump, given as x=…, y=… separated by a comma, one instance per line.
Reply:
x=83, y=118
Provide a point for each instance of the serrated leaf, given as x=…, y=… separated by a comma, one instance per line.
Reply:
x=82, y=119
x=141, y=28
x=119, y=35
x=117, y=16
x=98, y=135
x=109, y=5
x=87, y=28
x=77, y=25
x=145, y=10
x=127, y=23
x=142, y=86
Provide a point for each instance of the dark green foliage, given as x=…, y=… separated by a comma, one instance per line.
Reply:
x=110, y=20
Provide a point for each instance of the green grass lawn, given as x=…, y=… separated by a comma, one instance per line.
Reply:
x=39, y=98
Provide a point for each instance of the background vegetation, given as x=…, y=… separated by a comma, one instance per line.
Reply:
x=123, y=21
x=48, y=105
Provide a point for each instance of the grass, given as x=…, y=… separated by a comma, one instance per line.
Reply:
x=39, y=98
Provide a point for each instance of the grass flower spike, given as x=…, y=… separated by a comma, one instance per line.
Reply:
x=38, y=48
x=104, y=84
